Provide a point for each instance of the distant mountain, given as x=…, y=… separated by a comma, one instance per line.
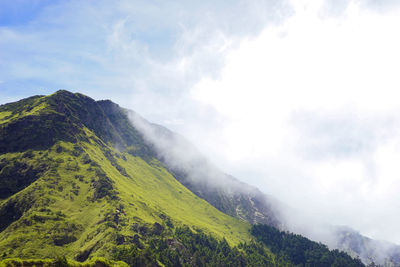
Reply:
x=369, y=250
x=343, y=238
x=82, y=179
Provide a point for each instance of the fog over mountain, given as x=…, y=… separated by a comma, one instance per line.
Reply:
x=298, y=98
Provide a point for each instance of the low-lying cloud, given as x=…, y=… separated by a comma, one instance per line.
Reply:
x=311, y=110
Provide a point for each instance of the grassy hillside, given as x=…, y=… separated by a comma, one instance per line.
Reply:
x=78, y=180
x=76, y=198
x=61, y=262
x=89, y=192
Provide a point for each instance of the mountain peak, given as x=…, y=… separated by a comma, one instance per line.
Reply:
x=62, y=92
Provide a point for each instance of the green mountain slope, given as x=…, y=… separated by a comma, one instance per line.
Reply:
x=78, y=179
x=66, y=192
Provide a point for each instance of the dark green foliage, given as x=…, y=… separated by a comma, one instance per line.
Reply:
x=19, y=106
x=28, y=154
x=64, y=239
x=102, y=185
x=113, y=162
x=107, y=120
x=169, y=223
x=12, y=210
x=77, y=151
x=83, y=111
x=60, y=262
x=135, y=257
x=63, y=232
x=59, y=149
x=85, y=159
x=63, y=118
x=300, y=250
x=188, y=248
x=44, y=131
x=157, y=229
x=17, y=174
x=15, y=262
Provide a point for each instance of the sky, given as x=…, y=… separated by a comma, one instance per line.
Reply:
x=298, y=97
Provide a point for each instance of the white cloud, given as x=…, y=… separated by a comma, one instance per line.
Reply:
x=129, y=46
x=310, y=106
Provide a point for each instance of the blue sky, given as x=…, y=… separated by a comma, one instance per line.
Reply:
x=298, y=97
x=96, y=47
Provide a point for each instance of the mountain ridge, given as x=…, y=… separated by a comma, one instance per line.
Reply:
x=92, y=152
x=82, y=180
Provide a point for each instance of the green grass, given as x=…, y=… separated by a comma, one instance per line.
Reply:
x=88, y=194
x=4, y=114
x=64, y=209
x=157, y=191
x=26, y=108
x=68, y=193
x=97, y=261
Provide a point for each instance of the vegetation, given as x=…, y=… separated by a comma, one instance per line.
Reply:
x=188, y=248
x=75, y=197
x=78, y=181
x=300, y=250
x=60, y=262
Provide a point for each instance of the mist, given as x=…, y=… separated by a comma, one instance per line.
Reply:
x=307, y=111
x=309, y=114
x=181, y=156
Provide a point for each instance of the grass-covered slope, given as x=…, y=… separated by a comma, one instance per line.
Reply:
x=61, y=262
x=73, y=193
x=81, y=201
x=78, y=180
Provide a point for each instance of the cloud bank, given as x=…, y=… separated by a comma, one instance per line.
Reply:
x=311, y=109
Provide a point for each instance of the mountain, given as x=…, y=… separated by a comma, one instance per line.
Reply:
x=81, y=179
x=369, y=250
x=245, y=202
